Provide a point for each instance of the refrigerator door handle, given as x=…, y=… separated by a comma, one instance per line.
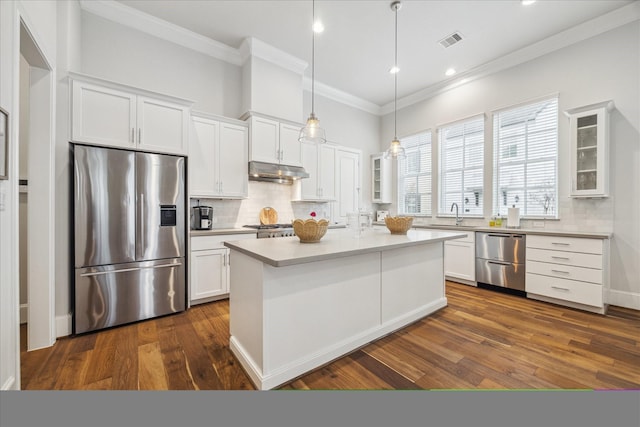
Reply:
x=101, y=273
x=175, y=264
x=141, y=234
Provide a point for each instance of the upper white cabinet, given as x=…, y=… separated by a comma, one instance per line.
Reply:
x=218, y=159
x=590, y=150
x=319, y=161
x=106, y=113
x=272, y=141
x=380, y=179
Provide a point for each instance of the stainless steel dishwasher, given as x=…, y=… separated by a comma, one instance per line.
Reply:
x=500, y=259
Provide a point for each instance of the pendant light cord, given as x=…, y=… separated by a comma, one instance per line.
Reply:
x=313, y=55
x=395, y=78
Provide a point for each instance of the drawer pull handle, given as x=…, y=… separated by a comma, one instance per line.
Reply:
x=499, y=262
x=560, y=257
x=560, y=271
x=560, y=289
x=561, y=243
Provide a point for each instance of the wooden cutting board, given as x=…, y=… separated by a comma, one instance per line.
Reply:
x=268, y=215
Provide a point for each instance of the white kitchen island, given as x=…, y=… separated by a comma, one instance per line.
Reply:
x=296, y=306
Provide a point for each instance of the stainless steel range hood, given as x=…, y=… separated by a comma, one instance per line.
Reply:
x=271, y=172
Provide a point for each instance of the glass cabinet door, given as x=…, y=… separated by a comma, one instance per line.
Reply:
x=590, y=150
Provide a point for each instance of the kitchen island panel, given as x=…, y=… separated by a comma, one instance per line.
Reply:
x=316, y=308
x=410, y=278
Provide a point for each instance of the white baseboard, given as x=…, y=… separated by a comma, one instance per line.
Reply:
x=9, y=384
x=623, y=299
x=24, y=313
x=63, y=325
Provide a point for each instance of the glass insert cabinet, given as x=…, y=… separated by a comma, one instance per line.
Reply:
x=589, y=126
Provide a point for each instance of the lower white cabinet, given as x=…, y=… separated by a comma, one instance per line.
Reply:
x=460, y=258
x=209, y=267
x=209, y=274
x=570, y=271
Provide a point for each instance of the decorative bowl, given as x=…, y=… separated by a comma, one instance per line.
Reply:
x=310, y=230
x=398, y=224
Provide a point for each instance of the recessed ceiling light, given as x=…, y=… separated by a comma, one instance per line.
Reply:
x=318, y=27
x=394, y=70
x=450, y=72
x=528, y=2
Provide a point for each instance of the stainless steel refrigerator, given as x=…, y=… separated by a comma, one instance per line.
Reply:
x=129, y=236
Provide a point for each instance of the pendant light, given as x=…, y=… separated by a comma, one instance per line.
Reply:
x=312, y=132
x=395, y=150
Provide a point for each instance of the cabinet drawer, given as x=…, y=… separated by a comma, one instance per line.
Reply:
x=563, y=289
x=565, y=272
x=201, y=243
x=565, y=258
x=570, y=244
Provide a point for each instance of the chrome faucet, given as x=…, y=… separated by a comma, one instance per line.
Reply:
x=458, y=218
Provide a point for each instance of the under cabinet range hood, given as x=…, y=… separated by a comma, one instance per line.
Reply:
x=272, y=172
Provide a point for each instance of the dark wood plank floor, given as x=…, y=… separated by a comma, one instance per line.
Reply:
x=482, y=340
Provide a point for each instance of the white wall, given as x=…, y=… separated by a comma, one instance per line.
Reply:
x=598, y=69
x=124, y=55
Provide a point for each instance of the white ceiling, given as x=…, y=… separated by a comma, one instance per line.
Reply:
x=355, y=51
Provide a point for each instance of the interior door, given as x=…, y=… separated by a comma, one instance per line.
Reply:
x=104, y=206
x=160, y=231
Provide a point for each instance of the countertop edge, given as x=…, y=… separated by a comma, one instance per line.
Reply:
x=558, y=233
x=221, y=231
x=338, y=254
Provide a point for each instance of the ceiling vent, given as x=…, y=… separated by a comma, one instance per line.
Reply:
x=450, y=40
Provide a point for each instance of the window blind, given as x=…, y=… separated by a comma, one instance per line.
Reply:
x=525, y=147
x=461, y=166
x=414, y=175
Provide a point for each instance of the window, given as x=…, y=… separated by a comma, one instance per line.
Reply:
x=462, y=166
x=414, y=175
x=525, y=147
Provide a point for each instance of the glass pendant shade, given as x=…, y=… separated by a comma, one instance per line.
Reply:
x=312, y=133
x=395, y=150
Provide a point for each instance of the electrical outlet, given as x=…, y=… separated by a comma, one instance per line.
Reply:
x=537, y=224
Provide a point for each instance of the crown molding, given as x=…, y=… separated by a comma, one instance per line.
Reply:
x=342, y=97
x=255, y=47
x=141, y=21
x=581, y=32
x=130, y=17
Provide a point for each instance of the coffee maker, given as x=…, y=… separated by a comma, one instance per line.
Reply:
x=202, y=217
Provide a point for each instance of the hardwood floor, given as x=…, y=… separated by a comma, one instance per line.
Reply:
x=481, y=340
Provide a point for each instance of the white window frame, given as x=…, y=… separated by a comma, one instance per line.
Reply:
x=523, y=201
x=428, y=173
x=443, y=210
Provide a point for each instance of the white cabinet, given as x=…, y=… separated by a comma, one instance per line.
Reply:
x=218, y=159
x=272, y=141
x=460, y=259
x=380, y=179
x=571, y=271
x=319, y=161
x=590, y=150
x=209, y=274
x=347, y=183
x=209, y=266
x=105, y=113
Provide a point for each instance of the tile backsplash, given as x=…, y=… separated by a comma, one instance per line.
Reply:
x=236, y=213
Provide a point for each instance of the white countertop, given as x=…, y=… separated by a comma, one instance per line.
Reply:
x=539, y=231
x=285, y=251
x=219, y=231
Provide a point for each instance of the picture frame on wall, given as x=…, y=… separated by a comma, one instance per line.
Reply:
x=4, y=144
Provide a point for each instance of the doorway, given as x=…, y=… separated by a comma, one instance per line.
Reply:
x=37, y=191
